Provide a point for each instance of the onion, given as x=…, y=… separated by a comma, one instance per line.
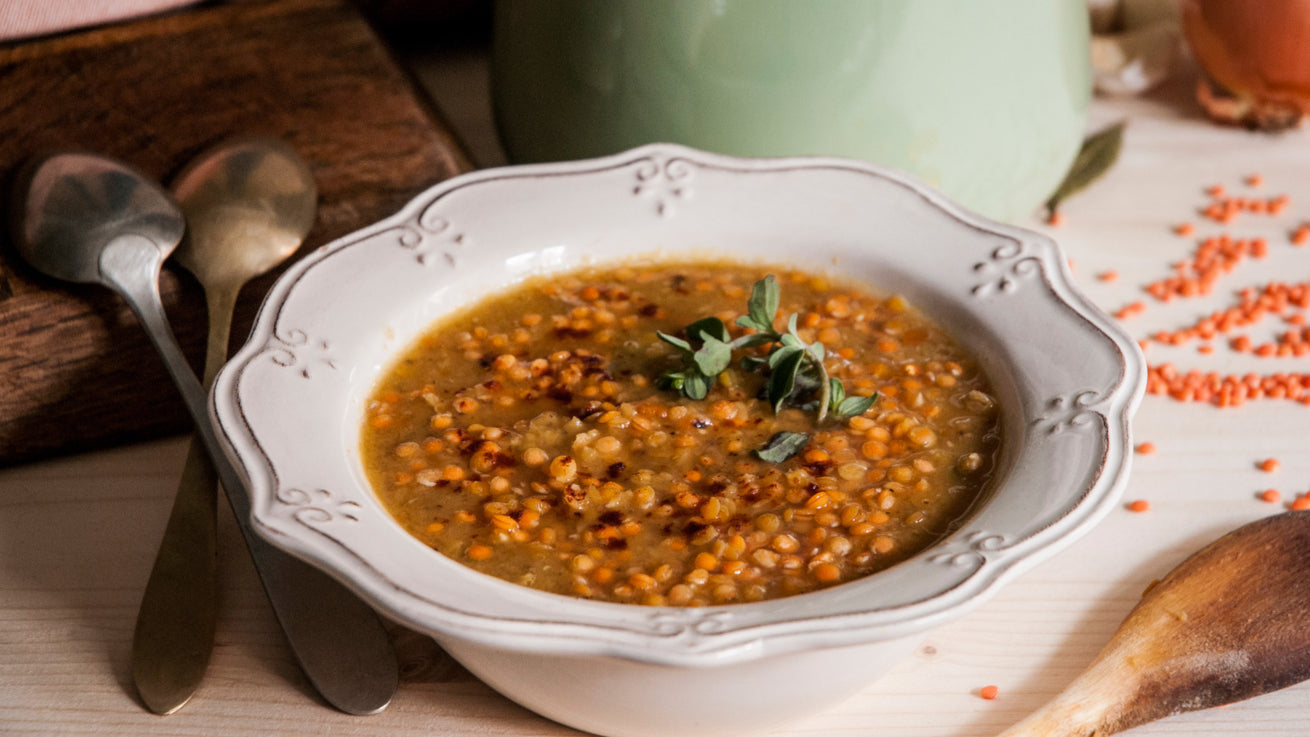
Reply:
x=1256, y=57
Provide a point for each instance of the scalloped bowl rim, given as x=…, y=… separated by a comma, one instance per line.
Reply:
x=318, y=506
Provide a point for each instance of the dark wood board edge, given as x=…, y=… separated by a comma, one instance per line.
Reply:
x=105, y=386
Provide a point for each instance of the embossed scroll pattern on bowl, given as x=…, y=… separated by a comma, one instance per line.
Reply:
x=468, y=231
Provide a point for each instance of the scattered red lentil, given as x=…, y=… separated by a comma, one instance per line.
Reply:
x=1139, y=505
x=1184, y=229
x=1227, y=390
x=1130, y=310
x=989, y=692
x=1271, y=496
x=1268, y=465
x=1054, y=219
x=1145, y=448
x=1108, y=276
x=1214, y=257
x=1300, y=504
x=1224, y=209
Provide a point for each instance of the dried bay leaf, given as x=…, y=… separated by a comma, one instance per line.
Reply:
x=1097, y=155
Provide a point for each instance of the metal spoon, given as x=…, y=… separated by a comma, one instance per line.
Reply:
x=249, y=204
x=1229, y=623
x=84, y=218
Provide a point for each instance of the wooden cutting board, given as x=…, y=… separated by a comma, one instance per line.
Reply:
x=76, y=371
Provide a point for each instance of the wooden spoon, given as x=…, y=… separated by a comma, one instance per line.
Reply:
x=1231, y=622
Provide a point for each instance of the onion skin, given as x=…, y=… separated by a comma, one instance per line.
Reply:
x=1256, y=56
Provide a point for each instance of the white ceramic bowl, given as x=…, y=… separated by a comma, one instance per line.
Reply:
x=290, y=407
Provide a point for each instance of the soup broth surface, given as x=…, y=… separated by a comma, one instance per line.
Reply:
x=526, y=437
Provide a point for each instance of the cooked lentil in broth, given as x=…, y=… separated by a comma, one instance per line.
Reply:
x=525, y=438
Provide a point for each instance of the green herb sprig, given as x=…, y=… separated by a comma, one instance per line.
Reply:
x=796, y=373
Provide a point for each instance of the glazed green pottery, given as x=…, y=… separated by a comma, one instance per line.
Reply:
x=982, y=99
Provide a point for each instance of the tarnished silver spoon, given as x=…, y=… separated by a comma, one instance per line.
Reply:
x=248, y=204
x=85, y=218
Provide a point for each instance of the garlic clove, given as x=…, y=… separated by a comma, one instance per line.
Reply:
x=1135, y=61
x=1138, y=44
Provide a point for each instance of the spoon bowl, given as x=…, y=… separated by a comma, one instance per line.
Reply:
x=84, y=218
x=249, y=204
x=77, y=204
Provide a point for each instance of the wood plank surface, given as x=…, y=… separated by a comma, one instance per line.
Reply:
x=78, y=534
x=76, y=371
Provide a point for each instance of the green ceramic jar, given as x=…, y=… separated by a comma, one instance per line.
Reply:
x=983, y=99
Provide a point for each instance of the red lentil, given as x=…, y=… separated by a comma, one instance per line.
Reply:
x=1139, y=505
x=557, y=464
x=1130, y=310
x=1145, y=448
x=1268, y=465
x=989, y=692
x=1271, y=496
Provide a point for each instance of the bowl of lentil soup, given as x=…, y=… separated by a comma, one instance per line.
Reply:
x=465, y=413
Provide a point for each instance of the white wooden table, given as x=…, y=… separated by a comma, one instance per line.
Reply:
x=78, y=535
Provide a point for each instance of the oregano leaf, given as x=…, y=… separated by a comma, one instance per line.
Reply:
x=714, y=356
x=674, y=341
x=750, y=341
x=782, y=445
x=782, y=353
x=783, y=379
x=763, y=303
x=837, y=393
x=808, y=378
x=670, y=380
x=707, y=326
x=854, y=406
x=695, y=385
x=797, y=375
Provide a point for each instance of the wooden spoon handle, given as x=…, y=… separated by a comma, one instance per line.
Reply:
x=1230, y=623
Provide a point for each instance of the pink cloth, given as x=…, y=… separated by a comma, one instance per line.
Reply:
x=25, y=18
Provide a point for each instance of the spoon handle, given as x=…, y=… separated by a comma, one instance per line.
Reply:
x=339, y=641
x=175, y=624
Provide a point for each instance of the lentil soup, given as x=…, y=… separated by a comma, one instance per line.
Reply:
x=526, y=437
